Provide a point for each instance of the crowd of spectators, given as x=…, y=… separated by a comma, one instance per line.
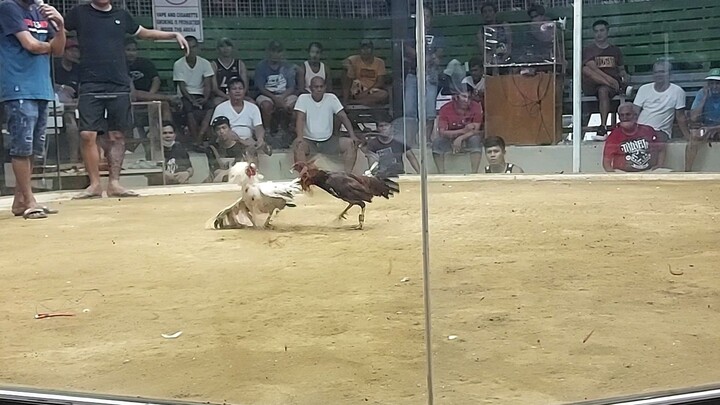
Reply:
x=219, y=109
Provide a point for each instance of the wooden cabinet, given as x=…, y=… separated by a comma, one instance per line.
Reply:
x=524, y=109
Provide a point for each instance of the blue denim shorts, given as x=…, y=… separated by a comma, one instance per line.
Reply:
x=27, y=122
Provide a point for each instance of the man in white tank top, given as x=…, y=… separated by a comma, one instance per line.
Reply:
x=313, y=67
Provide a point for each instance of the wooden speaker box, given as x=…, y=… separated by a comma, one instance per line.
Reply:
x=524, y=110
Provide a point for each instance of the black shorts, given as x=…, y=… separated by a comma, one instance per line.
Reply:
x=104, y=107
x=189, y=108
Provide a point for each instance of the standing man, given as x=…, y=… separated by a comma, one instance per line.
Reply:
x=434, y=48
x=105, y=87
x=661, y=102
x=603, y=71
x=28, y=39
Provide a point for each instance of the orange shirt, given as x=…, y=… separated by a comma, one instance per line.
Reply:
x=365, y=73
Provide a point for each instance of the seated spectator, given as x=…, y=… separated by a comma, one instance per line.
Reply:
x=313, y=67
x=500, y=51
x=246, y=134
x=539, y=44
x=459, y=129
x=146, y=80
x=475, y=83
x=316, y=114
x=275, y=80
x=632, y=147
x=178, y=168
x=387, y=150
x=603, y=71
x=193, y=76
x=495, y=153
x=67, y=79
x=364, y=80
x=226, y=67
x=705, y=117
x=661, y=102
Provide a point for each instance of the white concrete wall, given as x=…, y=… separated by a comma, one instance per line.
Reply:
x=533, y=159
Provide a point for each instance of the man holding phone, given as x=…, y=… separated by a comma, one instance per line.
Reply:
x=28, y=39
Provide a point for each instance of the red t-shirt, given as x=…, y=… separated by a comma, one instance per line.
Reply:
x=632, y=153
x=455, y=119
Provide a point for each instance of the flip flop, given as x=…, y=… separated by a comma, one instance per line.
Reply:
x=34, y=213
x=125, y=194
x=86, y=195
x=48, y=210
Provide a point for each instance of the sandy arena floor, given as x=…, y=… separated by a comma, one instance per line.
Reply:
x=557, y=291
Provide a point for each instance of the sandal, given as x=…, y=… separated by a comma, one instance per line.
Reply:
x=34, y=213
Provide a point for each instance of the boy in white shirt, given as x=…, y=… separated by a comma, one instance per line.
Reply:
x=661, y=102
x=315, y=124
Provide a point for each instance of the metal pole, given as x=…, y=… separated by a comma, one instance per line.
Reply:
x=422, y=131
x=577, y=84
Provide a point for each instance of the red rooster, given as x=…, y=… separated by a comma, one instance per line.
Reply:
x=355, y=190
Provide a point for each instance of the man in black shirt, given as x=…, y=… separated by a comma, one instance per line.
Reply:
x=146, y=82
x=387, y=149
x=67, y=79
x=142, y=71
x=105, y=86
x=178, y=168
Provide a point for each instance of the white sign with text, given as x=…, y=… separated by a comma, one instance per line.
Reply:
x=183, y=16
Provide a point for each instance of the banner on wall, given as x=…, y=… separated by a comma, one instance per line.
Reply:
x=183, y=16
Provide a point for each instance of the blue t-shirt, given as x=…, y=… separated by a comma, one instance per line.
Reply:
x=711, y=111
x=276, y=81
x=23, y=75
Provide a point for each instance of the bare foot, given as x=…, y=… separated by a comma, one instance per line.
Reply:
x=89, y=193
x=18, y=206
x=114, y=189
x=121, y=192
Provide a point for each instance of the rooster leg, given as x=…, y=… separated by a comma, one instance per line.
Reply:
x=267, y=221
x=361, y=218
x=342, y=214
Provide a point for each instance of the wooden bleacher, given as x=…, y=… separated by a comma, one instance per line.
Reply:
x=340, y=39
x=686, y=31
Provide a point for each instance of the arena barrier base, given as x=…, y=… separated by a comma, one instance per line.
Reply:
x=25, y=396
x=705, y=395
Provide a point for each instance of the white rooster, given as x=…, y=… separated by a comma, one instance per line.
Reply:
x=256, y=198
